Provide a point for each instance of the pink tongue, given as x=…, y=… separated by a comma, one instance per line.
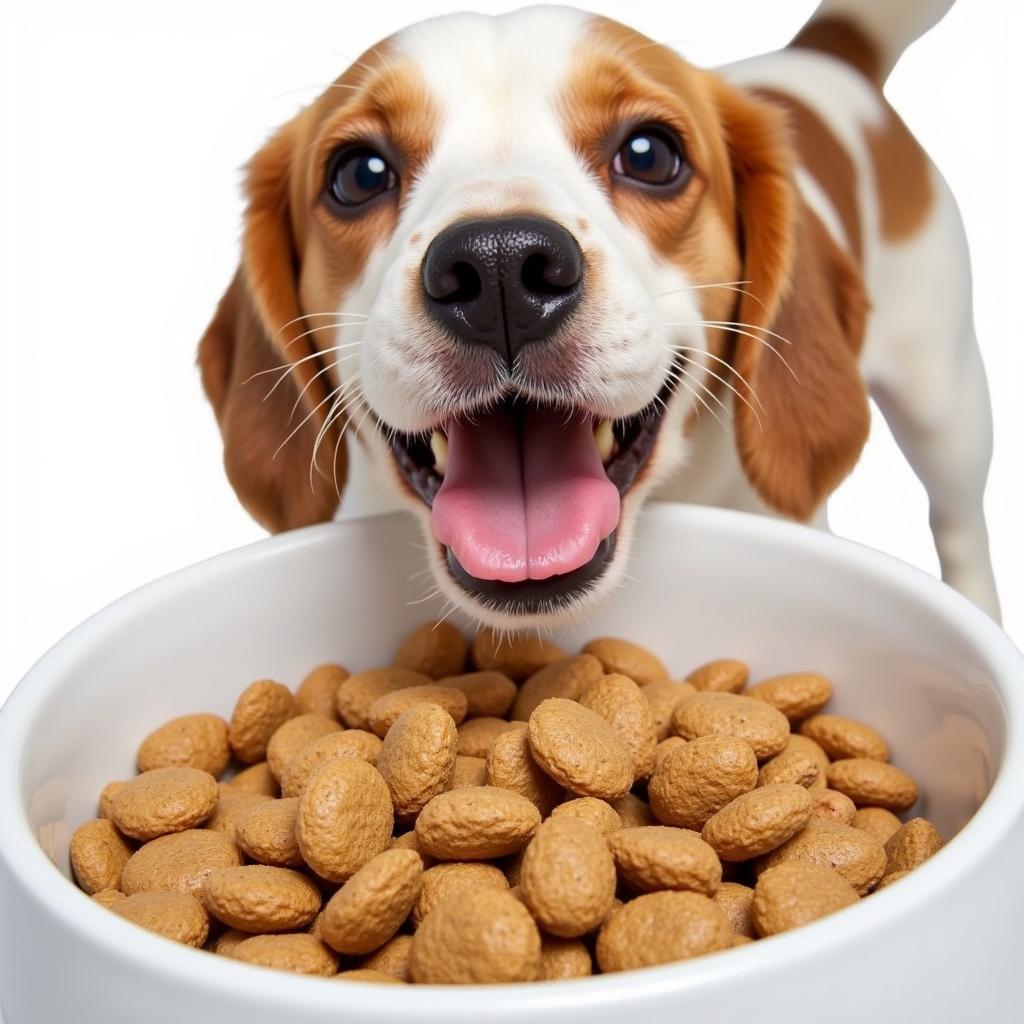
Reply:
x=524, y=498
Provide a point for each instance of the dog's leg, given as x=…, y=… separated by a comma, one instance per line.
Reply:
x=925, y=372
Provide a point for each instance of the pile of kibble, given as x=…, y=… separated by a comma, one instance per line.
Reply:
x=501, y=811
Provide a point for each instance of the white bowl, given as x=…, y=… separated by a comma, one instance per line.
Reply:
x=906, y=653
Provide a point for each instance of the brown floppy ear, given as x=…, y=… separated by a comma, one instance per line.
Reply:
x=807, y=302
x=258, y=326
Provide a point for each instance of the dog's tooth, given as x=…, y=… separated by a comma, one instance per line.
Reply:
x=604, y=438
x=439, y=446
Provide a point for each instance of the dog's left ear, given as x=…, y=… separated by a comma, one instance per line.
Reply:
x=261, y=370
x=807, y=302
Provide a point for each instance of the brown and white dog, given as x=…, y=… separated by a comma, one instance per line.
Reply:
x=531, y=269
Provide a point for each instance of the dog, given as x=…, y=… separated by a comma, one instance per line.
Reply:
x=524, y=272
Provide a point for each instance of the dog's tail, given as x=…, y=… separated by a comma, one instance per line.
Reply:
x=871, y=35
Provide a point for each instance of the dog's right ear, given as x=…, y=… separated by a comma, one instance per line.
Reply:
x=279, y=472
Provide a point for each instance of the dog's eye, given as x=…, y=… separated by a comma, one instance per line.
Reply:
x=356, y=174
x=651, y=156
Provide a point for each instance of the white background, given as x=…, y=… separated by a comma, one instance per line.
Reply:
x=127, y=125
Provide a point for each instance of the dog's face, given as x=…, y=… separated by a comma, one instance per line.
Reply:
x=516, y=257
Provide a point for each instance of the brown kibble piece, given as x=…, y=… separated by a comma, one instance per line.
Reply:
x=724, y=675
x=561, y=959
x=729, y=714
x=356, y=743
x=345, y=818
x=267, y=834
x=482, y=937
x=488, y=694
x=452, y=879
x=618, y=700
x=832, y=806
x=857, y=856
x=633, y=811
x=510, y=765
x=567, y=877
x=623, y=657
x=228, y=940
x=292, y=736
x=798, y=695
x=567, y=677
x=876, y=821
x=417, y=759
x=108, y=897
x=371, y=906
x=660, y=928
x=812, y=750
x=262, y=708
x=391, y=959
x=663, y=696
x=436, y=649
x=357, y=693
x=736, y=902
x=579, y=749
x=179, y=862
x=170, y=914
x=668, y=746
x=911, y=845
x=476, y=823
x=192, y=741
x=789, y=766
x=257, y=778
x=385, y=711
x=232, y=805
x=795, y=893
x=661, y=857
x=873, y=783
x=469, y=771
x=98, y=855
x=699, y=779
x=107, y=794
x=597, y=813
x=518, y=656
x=758, y=821
x=257, y=898
x=164, y=800
x=843, y=737
x=298, y=952
x=476, y=736
x=317, y=694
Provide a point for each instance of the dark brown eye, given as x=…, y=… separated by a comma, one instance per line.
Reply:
x=356, y=174
x=652, y=156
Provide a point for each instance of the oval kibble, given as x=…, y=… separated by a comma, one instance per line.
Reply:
x=699, y=779
x=795, y=893
x=660, y=928
x=911, y=846
x=164, y=800
x=662, y=697
x=510, y=765
x=623, y=657
x=832, y=806
x=451, y=879
x=261, y=709
x=233, y=804
x=758, y=821
x=567, y=678
x=729, y=714
x=668, y=746
x=873, y=783
x=476, y=823
x=483, y=937
x=417, y=759
x=476, y=736
x=298, y=952
x=191, y=741
x=633, y=811
x=518, y=655
x=170, y=914
x=618, y=700
x=724, y=675
x=257, y=898
x=357, y=693
x=107, y=794
x=227, y=941
x=356, y=743
x=488, y=694
x=469, y=771
x=789, y=766
x=660, y=857
x=843, y=737
x=391, y=959
x=436, y=649
x=736, y=901
x=370, y=907
x=806, y=746
x=289, y=738
x=798, y=695
x=567, y=877
x=256, y=778
x=266, y=834
x=579, y=749
x=317, y=694
x=179, y=862
x=876, y=821
x=345, y=818
x=597, y=813
x=108, y=897
x=386, y=710
x=98, y=854
x=561, y=959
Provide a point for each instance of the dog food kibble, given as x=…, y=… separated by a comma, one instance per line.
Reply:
x=502, y=810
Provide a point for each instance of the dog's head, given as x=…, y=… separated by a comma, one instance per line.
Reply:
x=516, y=257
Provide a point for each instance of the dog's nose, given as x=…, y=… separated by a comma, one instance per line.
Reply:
x=503, y=282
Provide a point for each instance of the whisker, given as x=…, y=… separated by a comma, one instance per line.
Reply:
x=733, y=389
x=746, y=334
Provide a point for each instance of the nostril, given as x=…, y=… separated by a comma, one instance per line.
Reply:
x=459, y=282
x=541, y=277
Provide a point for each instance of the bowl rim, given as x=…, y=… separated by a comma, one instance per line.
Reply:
x=29, y=865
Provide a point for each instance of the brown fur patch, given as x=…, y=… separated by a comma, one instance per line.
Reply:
x=906, y=191
x=841, y=38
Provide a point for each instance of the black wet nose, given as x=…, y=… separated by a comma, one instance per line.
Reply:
x=503, y=283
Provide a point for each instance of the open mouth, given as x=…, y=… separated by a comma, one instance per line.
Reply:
x=525, y=498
